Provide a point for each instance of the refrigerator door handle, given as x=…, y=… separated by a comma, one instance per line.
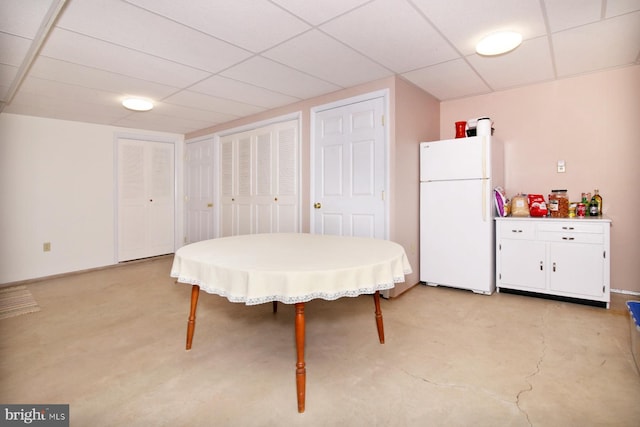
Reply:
x=485, y=184
x=484, y=158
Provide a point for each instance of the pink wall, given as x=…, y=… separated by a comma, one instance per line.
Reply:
x=304, y=107
x=414, y=117
x=590, y=122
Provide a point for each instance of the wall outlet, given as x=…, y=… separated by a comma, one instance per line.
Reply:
x=46, y=247
x=561, y=166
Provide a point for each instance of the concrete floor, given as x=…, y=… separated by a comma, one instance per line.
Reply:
x=111, y=344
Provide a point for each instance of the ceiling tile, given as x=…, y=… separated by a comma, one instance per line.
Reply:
x=44, y=105
x=392, y=33
x=563, y=14
x=252, y=24
x=73, y=93
x=211, y=103
x=529, y=63
x=7, y=74
x=331, y=60
x=278, y=78
x=609, y=43
x=137, y=29
x=465, y=22
x=67, y=72
x=161, y=122
x=448, y=80
x=223, y=87
x=78, y=49
x=191, y=113
x=13, y=49
x=619, y=7
x=317, y=12
x=23, y=17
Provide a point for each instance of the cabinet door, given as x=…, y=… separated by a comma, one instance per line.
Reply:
x=522, y=264
x=576, y=269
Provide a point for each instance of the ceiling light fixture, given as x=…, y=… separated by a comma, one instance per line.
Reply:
x=499, y=43
x=137, y=104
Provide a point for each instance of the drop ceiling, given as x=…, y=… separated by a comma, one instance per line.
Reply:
x=206, y=62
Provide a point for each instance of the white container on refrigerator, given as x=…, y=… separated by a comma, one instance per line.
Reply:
x=457, y=231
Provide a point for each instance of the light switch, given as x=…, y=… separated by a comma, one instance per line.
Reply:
x=561, y=166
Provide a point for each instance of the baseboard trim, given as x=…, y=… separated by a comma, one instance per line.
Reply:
x=88, y=270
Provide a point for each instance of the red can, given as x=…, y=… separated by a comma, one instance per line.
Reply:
x=581, y=210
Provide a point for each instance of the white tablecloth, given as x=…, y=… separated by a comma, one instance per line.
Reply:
x=290, y=267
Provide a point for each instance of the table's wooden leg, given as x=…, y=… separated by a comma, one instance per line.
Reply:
x=301, y=372
x=191, y=324
x=275, y=306
x=379, y=324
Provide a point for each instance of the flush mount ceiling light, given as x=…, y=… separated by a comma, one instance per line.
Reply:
x=137, y=104
x=499, y=43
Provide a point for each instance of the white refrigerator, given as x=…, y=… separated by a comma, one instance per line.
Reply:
x=457, y=210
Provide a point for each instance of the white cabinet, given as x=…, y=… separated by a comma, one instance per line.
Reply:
x=563, y=257
x=259, y=177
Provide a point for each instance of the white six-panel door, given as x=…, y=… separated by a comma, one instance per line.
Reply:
x=349, y=170
x=145, y=199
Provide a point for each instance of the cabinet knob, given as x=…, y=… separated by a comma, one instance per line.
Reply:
x=567, y=238
x=540, y=265
x=317, y=205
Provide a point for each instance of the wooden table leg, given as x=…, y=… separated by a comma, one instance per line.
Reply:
x=275, y=306
x=379, y=324
x=301, y=372
x=191, y=324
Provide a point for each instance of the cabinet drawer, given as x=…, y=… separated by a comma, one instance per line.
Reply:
x=571, y=237
x=517, y=230
x=572, y=227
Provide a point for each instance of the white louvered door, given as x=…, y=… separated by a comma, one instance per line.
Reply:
x=260, y=180
x=199, y=194
x=145, y=199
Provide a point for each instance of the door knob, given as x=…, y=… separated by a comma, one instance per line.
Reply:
x=317, y=205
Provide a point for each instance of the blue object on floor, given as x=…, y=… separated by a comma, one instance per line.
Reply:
x=634, y=314
x=634, y=310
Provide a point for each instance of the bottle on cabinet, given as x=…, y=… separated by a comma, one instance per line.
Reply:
x=593, y=207
x=598, y=197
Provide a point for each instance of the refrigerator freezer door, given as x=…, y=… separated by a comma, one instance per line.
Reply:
x=456, y=235
x=463, y=158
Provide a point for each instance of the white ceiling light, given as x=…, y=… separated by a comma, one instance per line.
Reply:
x=499, y=43
x=137, y=104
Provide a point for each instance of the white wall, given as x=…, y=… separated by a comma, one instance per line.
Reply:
x=57, y=184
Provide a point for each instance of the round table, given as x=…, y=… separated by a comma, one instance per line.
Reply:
x=291, y=268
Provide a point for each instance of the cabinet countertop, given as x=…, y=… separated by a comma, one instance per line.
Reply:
x=534, y=218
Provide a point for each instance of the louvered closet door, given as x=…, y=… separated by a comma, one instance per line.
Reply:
x=145, y=199
x=199, y=191
x=259, y=180
x=286, y=207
